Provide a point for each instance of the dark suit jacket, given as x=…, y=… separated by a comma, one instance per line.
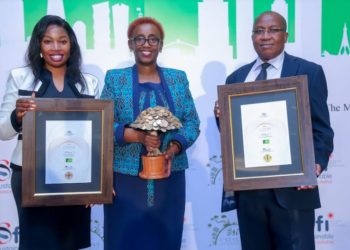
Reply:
x=323, y=134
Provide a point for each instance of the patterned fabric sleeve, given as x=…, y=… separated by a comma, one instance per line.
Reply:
x=109, y=93
x=189, y=118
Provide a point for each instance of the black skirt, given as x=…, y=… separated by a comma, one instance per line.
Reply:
x=51, y=228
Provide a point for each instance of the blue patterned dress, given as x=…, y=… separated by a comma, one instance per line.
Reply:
x=145, y=214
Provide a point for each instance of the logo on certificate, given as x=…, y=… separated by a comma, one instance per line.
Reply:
x=267, y=158
x=68, y=175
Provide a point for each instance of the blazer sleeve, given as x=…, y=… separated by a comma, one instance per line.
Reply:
x=109, y=93
x=96, y=88
x=189, y=131
x=8, y=125
x=93, y=87
x=322, y=132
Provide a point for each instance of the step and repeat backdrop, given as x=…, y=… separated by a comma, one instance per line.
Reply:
x=208, y=39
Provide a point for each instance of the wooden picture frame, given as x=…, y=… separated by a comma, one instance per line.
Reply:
x=266, y=134
x=68, y=152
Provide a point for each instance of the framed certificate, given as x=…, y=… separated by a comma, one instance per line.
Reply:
x=68, y=152
x=266, y=134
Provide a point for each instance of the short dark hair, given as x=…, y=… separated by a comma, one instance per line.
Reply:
x=143, y=20
x=33, y=52
x=284, y=22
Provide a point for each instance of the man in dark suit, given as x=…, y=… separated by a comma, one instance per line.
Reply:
x=283, y=218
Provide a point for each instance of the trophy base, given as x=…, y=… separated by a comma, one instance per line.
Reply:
x=154, y=167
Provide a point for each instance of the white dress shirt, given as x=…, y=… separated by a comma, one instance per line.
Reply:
x=273, y=72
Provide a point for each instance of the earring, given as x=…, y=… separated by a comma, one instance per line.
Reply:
x=41, y=55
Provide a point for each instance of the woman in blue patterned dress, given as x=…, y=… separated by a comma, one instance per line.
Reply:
x=147, y=214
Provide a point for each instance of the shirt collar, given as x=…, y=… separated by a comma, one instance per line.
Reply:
x=276, y=62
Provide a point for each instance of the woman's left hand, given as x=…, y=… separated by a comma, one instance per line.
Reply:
x=169, y=154
x=171, y=151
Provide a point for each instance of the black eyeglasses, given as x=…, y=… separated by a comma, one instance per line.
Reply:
x=272, y=31
x=141, y=40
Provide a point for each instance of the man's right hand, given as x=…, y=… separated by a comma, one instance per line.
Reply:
x=216, y=109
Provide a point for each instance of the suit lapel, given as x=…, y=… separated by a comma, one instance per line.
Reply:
x=290, y=66
x=245, y=71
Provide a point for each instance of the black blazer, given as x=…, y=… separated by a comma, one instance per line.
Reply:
x=323, y=134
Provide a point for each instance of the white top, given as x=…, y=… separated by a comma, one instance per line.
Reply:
x=23, y=78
